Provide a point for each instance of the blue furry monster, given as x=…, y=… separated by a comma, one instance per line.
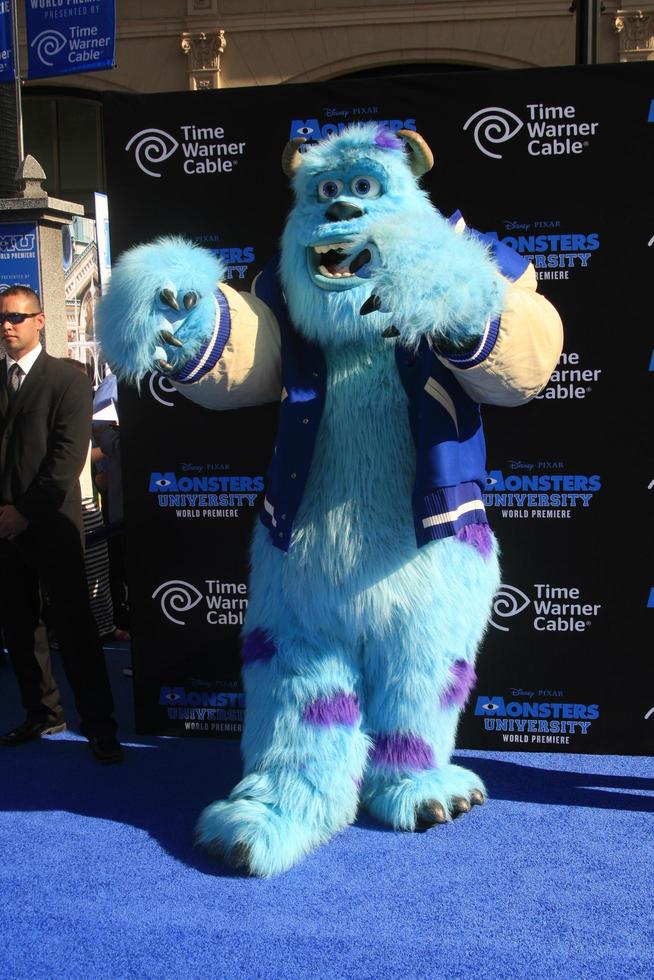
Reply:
x=385, y=326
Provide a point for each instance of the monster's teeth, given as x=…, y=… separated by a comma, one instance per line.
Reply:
x=324, y=271
x=334, y=247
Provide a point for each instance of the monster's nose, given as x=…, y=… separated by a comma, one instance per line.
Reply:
x=340, y=211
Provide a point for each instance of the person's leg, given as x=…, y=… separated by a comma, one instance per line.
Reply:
x=96, y=564
x=20, y=606
x=64, y=580
x=117, y=579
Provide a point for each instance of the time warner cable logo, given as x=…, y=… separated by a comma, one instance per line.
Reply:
x=554, y=608
x=175, y=597
x=47, y=44
x=152, y=146
x=225, y=603
x=84, y=44
x=205, y=150
x=553, y=130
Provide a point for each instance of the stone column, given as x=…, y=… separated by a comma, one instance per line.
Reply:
x=203, y=52
x=636, y=33
x=32, y=205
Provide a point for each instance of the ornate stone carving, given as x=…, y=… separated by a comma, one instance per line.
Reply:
x=636, y=33
x=204, y=52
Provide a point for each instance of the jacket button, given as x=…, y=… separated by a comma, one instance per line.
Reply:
x=281, y=534
x=304, y=421
x=315, y=374
x=293, y=476
x=283, y=517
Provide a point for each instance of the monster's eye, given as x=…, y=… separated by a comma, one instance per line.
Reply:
x=329, y=189
x=366, y=187
x=304, y=131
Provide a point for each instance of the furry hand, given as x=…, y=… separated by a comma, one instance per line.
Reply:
x=159, y=309
x=433, y=281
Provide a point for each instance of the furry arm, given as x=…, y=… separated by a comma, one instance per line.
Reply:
x=436, y=281
x=501, y=338
x=248, y=370
x=513, y=360
x=166, y=310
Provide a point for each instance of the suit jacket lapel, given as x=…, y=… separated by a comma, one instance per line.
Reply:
x=4, y=394
x=29, y=387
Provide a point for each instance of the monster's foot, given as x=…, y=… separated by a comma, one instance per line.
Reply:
x=415, y=801
x=252, y=832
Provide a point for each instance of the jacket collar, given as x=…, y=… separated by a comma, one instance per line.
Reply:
x=27, y=390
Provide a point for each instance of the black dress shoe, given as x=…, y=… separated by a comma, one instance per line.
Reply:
x=30, y=730
x=106, y=749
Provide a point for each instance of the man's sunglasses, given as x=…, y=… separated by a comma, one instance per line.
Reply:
x=16, y=318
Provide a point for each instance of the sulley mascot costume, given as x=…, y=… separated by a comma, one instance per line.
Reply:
x=384, y=326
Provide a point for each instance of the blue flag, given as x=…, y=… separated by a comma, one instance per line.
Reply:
x=19, y=257
x=6, y=43
x=66, y=36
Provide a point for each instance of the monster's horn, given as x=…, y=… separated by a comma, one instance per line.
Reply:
x=422, y=159
x=291, y=156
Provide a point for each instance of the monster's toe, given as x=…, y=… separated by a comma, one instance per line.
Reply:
x=477, y=798
x=429, y=813
x=459, y=805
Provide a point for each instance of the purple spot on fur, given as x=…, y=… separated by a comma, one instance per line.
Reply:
x=388, y=140
x=340, y=709
x=479, y=536
x=358, y=782
x=402, y=752
x=257, y=645
x=463, y=679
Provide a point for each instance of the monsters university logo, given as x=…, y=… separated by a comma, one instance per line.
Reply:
x=17, y=243
x=551, y=130
x=335, y=120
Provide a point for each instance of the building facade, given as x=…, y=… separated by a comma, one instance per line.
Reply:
x=174, y=45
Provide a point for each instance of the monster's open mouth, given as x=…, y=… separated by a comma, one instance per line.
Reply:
x=339, y=262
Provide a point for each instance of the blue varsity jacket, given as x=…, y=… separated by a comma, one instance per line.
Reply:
x=445, y=422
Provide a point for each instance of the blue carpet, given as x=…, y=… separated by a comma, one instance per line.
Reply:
x=99, y=877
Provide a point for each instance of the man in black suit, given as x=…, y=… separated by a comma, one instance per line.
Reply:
x=45, y=427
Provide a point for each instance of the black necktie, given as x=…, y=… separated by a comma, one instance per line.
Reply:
x=14, y=379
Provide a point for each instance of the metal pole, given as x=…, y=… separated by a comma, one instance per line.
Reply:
x=19, y=102
x=587, y=15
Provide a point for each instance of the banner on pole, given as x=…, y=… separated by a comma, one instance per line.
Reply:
x=6, y=43
x=19, y=260
x=74, y=36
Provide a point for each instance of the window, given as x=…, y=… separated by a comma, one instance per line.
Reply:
x=64, y=133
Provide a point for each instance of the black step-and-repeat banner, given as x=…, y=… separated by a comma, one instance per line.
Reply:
x=558, y=164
